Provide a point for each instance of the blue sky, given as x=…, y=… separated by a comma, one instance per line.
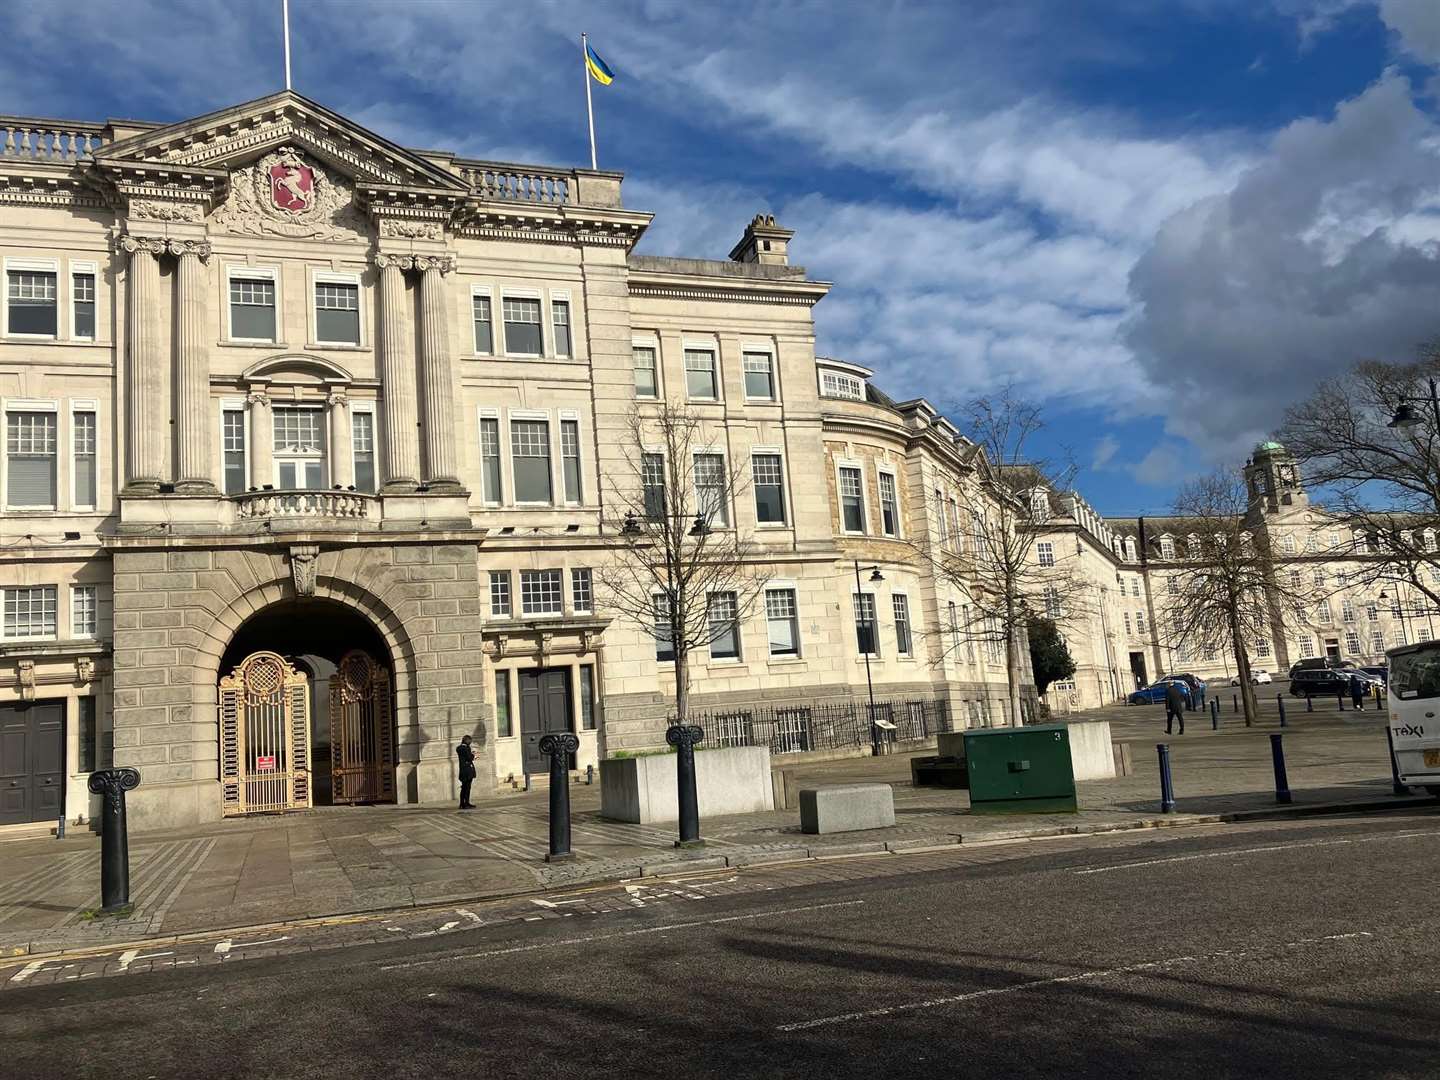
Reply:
x=1162, y=218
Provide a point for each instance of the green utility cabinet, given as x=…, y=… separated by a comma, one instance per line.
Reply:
x=1020, y=770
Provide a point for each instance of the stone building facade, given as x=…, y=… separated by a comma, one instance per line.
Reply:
x=307, y=445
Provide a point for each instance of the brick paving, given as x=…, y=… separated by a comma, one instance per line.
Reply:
x=337, y=861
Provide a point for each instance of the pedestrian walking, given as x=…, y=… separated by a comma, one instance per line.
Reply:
x=1200, y=693
x=467, y=771
x=1358, y=686
x=1174, y=706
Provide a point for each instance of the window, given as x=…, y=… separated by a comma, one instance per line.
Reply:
x=833, y=384
x=587, y=697
x=232, y=450
x=1262, y=649
x=782, y=622
x=722, y=615
x=652, y=481
x=1295, y=579
x=560, y=322
x=941, y=517
x=89, y=735
x=83, y=619
x=503, y=724
x=954, y=515
x=1039, y=506
x=30, y=612
x=1127, y=623
x=252, y=308
x=30, y=464
x=1172, y=584
x=540, y=592
x=1372, y=612
x=1307, y=647
x=484, y=324
x=1167, y=548
x=362, y=449
x=82, y=305
x=866, y=638
x=83, y=461
x=852, y=500
x=1130, y=549
x=647, y=382
x=570, y=459
x=522, y=326
x=769, y=478
x=1352, y=643
x=1323, y=614
x=1045, y=551
x=1399, y=635
x=490, y=459
x=955, y=629
x=701, y=382
x=299, y=448
x=337, y=313
x=664, y=629
x=1377, y=642
x=530, y=457
x=759, y=376
x=900, y=607
x=965, y=622
x=889, y=506
x=710, y=488
x=1052, y=602
x=582, y=592
x=1312, y=544
x=1347, y=610
x=1360, y=544
x=1287, y=544
x=1429, y=536
x=1135, y=586
x=1319, y=579
x=1334, y=540
x=31, y=303
x=1139, y=622
x=500, y=593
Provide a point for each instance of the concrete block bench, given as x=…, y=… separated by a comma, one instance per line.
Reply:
x=846, y=808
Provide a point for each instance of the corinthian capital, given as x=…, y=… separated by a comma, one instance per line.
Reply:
x=337, y=397
x=443, y=263
x=384, y=260
x=258, y=397
x=130, y=244
x=200, y=249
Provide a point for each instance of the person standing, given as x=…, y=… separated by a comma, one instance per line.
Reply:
x=466, y=754
x=1358, y=687
x=1174, y=706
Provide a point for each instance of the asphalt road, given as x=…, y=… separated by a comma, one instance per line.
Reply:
x=1295, y=949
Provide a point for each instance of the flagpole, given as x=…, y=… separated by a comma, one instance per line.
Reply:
x=285, y=11
x=589, y=103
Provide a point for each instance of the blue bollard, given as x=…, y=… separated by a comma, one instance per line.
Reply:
x=1395, y=785
x=1277, y=755
x=1280, y=700
x=1214, y=715
x=1167, y=790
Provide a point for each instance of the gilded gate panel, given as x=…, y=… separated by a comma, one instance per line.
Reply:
x=362, y=735
x=264, y=737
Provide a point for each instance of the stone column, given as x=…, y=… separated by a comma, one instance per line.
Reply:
x=193, y=427
x=262, y=440
x=342, y=453
x=438, y=418
x=145, y=367
x=397, y=377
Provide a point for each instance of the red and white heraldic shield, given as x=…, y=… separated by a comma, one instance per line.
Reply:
x=292, y=186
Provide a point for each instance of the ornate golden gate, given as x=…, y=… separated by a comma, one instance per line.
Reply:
x=362, y=737
x=264, y=736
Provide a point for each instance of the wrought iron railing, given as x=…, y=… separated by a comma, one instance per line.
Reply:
x=798, y=729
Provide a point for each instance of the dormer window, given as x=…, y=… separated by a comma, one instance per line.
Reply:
x=1167, y=547
x=838, y=385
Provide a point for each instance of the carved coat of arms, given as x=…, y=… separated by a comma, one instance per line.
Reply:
x=292, y=186
x=283, y=194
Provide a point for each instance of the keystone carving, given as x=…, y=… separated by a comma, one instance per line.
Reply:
x=84, y=670
x=27, y=680
x=302, y=568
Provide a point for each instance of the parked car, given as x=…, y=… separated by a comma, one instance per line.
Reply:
x=1325, y=681
x=1380, y=673
x=1257, y=678
x=1194, y=683
x=1154, y=694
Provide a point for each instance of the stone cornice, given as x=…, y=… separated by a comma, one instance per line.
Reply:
x=723, y=295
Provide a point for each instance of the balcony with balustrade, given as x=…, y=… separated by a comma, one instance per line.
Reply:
x=57, y=142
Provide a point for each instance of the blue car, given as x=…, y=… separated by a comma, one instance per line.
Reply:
x=1154, y=694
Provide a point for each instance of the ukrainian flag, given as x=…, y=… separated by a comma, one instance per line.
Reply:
x=599, y=70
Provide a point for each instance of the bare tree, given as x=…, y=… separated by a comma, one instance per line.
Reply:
x=686, y=572
x=1381, y=482
x=1228, y=593
x=991, y=507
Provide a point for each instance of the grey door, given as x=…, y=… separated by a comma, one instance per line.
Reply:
x=32, y=761
x=544, y=707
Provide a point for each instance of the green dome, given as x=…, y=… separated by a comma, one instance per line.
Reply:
x=1267, y=447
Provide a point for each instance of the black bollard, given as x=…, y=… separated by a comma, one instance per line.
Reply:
x=684, y=737
x=1214, y=714
x=1234, y=703
x=1277, y=755
x=527, y=780
x=1395, y=785
x=559, y=746
x=1167, y=790
x=1340, y=699
x=589, y=774
x=1309, y=705
x=114, y=838
x=1280, y=701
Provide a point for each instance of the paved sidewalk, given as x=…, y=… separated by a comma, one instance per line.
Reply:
x=344, y=860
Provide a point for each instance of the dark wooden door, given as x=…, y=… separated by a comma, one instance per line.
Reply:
x=32, y=761
x=544, y=707
x=1137, y=669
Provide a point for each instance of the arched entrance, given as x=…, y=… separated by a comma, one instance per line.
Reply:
x=338, y=708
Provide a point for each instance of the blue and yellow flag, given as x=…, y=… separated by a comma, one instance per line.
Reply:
x=599, y=70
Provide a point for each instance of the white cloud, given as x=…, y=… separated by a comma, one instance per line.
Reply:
x=1418, y=24
x=1105, y=450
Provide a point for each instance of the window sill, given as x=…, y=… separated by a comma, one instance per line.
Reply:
x=786, y=660
x=338, y=346
x=773, y=526
x=251, y=343
x=761, y=401
x=32, y=338
x=32, y=510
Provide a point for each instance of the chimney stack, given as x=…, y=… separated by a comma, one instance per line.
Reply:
x=763, y=242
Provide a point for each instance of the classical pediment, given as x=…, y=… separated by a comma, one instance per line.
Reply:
x=216, y=144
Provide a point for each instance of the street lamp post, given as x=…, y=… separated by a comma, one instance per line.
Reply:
x=1399, y=606
x=1406, y=417
x=873, y=634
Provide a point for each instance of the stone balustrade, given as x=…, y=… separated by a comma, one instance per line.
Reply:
x=49, y=140
x=351, y=505
x=518, y=183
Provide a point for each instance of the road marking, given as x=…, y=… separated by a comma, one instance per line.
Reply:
x=129, y=956
x=444, y=929
x=1253, y=851
x=222, y=948
x=562, y=942
x=1059, y=980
